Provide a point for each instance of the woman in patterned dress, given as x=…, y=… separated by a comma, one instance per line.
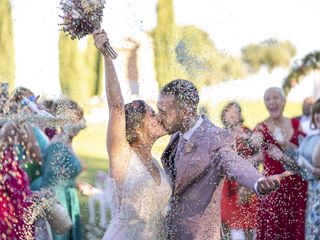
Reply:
x=310, y=150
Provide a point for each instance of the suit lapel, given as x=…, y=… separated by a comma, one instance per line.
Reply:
x=165, y=158
x=186, y=153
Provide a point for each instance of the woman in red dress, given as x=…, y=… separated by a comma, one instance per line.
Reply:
x=281, y=214
x=15, y=194
x=238, y=205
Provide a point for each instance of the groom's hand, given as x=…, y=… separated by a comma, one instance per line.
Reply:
x=270, y=184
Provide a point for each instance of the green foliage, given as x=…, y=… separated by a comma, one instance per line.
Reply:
x=70, y=68
x=202, y=61
x=7, y=64
x=94, y=68
x=234, y=68
x=188, y=52
x=163, y=36
x=194, y=53
x=300, y=69
x=80, y=73
x=270, y=53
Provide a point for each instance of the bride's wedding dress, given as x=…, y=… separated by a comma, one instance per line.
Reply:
x=142, y=207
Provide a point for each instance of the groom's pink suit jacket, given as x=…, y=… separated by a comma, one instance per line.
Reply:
x=201, y=165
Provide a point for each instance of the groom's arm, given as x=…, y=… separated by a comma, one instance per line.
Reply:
x=231, y=164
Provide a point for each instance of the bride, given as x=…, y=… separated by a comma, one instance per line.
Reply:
x=141, y=188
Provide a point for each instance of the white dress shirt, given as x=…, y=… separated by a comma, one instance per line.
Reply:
x=187, y=135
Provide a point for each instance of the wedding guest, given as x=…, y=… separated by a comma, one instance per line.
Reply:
x=15, y=193
x=31, y=167
x=310, y=151
x=50, y=107
x=280, y=215
x=238, y=205
x=4, y=98
x=305, y=118
x=61, y=166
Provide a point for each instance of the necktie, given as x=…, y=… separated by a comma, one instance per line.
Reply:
x=172, y=156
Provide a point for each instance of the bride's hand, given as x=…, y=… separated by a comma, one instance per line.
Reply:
x=100, y=38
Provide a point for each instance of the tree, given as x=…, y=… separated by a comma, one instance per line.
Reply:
x=233, y=68
x=71, y=71
x=188, y=52
x=163, y=36
x=93, y=67
x=7, y=64
x=80, y=73
x=301, y=68
x=202, y=62
x=270, y=53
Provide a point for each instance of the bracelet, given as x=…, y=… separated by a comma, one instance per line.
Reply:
x=109, y=50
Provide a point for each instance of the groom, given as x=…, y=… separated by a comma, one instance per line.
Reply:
x=197, y=159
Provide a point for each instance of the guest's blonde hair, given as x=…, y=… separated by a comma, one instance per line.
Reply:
x=68, y=108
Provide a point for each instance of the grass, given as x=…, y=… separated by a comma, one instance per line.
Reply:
x=92, y=165
x=90, y=145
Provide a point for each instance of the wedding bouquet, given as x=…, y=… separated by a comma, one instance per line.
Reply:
x=83, y=17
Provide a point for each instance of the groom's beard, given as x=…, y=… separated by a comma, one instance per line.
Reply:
x=178, y=127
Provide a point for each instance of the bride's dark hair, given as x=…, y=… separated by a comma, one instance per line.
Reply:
x=135, y=112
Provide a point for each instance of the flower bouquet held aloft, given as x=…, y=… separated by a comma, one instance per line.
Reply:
x=83, y=17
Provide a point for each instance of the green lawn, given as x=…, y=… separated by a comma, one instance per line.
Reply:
x=88, y=175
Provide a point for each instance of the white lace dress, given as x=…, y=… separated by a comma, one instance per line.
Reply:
x=143, y=206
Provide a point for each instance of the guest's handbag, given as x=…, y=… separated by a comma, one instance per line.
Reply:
x=59, y=219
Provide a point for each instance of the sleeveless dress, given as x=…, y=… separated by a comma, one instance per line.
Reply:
x=281, y=214
x=143, y=204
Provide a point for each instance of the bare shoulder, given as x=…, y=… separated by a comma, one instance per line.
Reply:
x=289, y=121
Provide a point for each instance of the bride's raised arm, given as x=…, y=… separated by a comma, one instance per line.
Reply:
x=117, y=145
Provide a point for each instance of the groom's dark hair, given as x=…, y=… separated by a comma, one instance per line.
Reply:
x=184, y=91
